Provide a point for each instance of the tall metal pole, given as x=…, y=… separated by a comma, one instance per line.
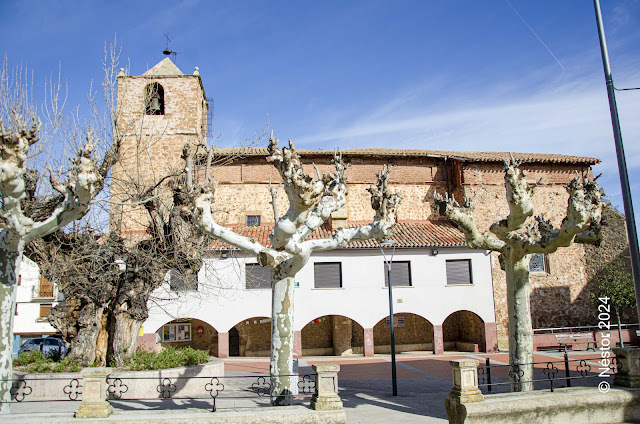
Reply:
x=394, y=379
x=622, y=163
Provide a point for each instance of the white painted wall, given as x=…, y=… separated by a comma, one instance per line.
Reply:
x=362, y=298
x=27, y=319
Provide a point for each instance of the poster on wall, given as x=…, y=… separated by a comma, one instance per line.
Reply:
x=176, y=333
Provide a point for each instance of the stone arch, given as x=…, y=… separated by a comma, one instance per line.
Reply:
x=154, y=99
x=201, y=335
x=463, y=331
x=332, y=335
x=254, y=337
x=412, y=332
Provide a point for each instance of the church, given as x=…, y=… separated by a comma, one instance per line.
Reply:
x=446, y=296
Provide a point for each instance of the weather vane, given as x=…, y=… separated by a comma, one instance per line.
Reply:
x=166, y=51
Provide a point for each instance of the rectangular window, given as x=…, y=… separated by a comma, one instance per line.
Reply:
x=45, y=288
x=327, y=275
x=257, y=277
x=459, y=271
x=179, y=282
x=400, y=274
x=179, y=332
x=44, y=311
x=253, y=220
x=539, y=263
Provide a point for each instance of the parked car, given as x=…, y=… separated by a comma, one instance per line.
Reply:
x=51, y=347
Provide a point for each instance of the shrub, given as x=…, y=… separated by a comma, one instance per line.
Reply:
x=169, y=357
x=35, y=361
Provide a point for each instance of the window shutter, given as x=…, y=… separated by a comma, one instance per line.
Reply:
x=257, y=277
x=459, y=271
x=400, y=274
x=327, y=275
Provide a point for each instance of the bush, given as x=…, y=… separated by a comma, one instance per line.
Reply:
x=169, y=357
x=35, y=361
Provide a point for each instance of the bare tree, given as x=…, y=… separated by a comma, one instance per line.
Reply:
x=311, y=202
x=516, y=238
x=107, y=280
x=27, y=216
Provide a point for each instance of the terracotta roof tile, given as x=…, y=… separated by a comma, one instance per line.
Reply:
x=464, y=156
x=406, y=234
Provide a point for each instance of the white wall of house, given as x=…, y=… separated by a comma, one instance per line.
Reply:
x=363, y=296
x=28, y=322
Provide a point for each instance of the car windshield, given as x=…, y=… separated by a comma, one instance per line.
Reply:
x=50, y=342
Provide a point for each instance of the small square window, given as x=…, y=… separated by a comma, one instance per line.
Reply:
x=400, y=274
x=253, y=220
x=459, y=271
x=327, y=275
x=44, y=311
x=539, y=262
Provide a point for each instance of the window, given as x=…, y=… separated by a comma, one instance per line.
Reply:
x=45, y=288
x=257, y=277
x=179, y=332
x=400, y=274
x=154, y=99
x=44, y=311
x=253, y=220
x=178, y=282
x=327, y=275
x=539, y=262
x=459, y=271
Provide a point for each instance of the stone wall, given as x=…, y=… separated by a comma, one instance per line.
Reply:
x=255, y=336
x=462, y=326
x=415, y=330
x=207, y=340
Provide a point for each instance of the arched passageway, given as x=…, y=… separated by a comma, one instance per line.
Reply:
x=189, y=332
x=463, y=331
x=332, y=335
x=412, y=333
x=251, y=337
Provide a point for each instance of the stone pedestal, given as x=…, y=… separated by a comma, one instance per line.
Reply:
x=326, y=395
x=465, y=381
x=94, y=394
x=629, y=371
x=438, y=340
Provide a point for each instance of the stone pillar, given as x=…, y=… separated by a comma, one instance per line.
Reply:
x=297, y=343
x=490, y=337
x=465, y=389
x=94, y=394
x=438, y=340
x=629, y=372
x=223, y=345
x=342, y=329
x=326, y=395
x=368, y=342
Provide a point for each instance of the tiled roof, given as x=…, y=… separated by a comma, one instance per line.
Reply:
x=406, y=234
x=464, y=156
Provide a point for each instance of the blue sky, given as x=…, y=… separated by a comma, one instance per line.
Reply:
x=450, y=75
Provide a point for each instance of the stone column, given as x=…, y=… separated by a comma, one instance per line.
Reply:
x=223, y=345
x=94, y=394
x=438, y=340
x=297, y=343
x=465, y=389
x=369, y=345
x=490, y=337
x=326, y=395
x=629, y=372
x=342, y=329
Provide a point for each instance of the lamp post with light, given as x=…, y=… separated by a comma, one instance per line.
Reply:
x=383, y=244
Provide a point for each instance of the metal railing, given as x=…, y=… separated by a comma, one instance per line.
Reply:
x=489, y=375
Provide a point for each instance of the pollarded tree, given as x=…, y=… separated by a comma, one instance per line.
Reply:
x=311, y=202
x=516, y=238
x=27, y=216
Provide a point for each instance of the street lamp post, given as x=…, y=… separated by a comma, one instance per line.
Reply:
x=394, y=380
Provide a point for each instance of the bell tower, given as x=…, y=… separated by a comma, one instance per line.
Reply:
x=157, y=113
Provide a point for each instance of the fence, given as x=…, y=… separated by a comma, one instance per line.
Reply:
x=98, y=387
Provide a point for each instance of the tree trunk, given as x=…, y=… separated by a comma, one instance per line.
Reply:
x=8, y=278
x=88, y=325
x=281, y=367
x=124, y=336
x=520, y=328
